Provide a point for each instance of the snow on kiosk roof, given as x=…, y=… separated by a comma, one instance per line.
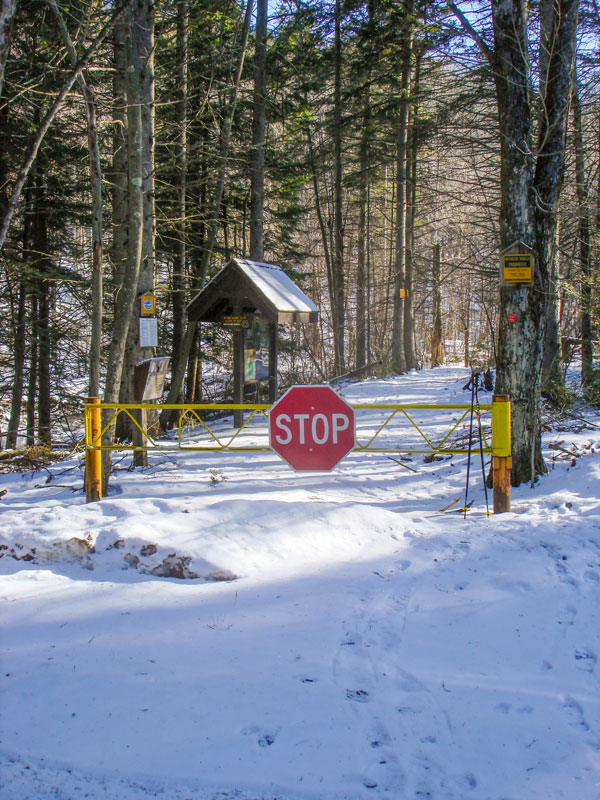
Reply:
x=245, y=286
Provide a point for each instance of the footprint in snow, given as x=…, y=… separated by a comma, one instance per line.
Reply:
x=357, y=695
x=263, y=739
x=575, y=713
x=586, y=659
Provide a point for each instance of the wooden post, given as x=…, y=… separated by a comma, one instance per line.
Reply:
x=501, y=452
x=140, y=457
x=93, y=458
x=273, y=353
x=238, y=374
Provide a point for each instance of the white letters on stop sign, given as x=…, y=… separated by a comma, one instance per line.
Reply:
x=319, y=428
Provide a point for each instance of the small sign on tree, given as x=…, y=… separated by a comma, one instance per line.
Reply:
x=516, y=265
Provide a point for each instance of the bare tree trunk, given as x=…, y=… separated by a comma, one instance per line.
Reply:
x=257, y=189
x=41, y=266
x=118, y=174
x=142, y=32
x=19, y=371
x=44, y=358
x=33, y=366
x=585, y=252
x=437, y=342
x=398, y=353
x=362, y=283
x=411, y=199
x=127, y=291
x=96, y=195
x=338, y=309
x=7, y=12
x=180, y=260
x=194, y=369
x=552, y=377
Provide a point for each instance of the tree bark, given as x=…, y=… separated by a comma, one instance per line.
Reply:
x=338, y=309
x=32, y=381
x=96, y=195
x=585, y=252
x=127, y=290
x=142, y=32
x=19, y=371
x=399, y=276
x=411, y=200
x=180, y=260
x=363, y=202
x=7, y=13
x=437, y=346
x=257, y=183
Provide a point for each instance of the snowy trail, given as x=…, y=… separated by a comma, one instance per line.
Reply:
x=370, y=647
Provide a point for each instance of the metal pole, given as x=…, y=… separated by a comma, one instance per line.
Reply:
x=93, y=458
x=465, y=509
x=501, y=452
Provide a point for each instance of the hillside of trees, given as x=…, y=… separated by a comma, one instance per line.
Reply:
x=383, y=153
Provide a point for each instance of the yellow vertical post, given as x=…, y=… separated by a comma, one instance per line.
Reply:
x=93, y=458
x=501, y=452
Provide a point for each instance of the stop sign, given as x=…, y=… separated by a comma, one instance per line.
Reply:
x=311, y=427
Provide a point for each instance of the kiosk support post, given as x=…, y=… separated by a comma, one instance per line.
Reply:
x=238, y=375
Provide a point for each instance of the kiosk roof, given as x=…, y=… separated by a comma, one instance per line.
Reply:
x=245, y=286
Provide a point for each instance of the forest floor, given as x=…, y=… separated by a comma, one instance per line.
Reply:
x=332, y=636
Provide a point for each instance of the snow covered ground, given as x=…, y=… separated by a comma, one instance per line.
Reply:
x=344, y=639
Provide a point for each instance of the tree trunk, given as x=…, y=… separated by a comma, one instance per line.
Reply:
x=363, y=206
x=338, y=309
x=96, y=195
x=528, y=200
x=585, y=253
x=411, y=199
x=142, y=32
x=437, y=342
x=180, y=260
x=118, y=174
x=398, y=352
x=33, y=366
x=127, y=291
x=19, y=371
x=552, y=377
x=257, y=188
x=7, y=12
x=528, y=212
x=42, y=289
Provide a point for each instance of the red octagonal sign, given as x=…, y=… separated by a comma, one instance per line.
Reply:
x=311, y=427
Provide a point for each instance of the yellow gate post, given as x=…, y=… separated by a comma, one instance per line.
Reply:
x=501, y=452
x=93, y=458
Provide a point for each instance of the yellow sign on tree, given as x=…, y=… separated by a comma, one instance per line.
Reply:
x=517, y=268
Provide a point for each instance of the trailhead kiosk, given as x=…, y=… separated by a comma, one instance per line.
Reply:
x=252, y=298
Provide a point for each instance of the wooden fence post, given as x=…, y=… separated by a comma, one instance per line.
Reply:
x=93, y=458
x=501, y=452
